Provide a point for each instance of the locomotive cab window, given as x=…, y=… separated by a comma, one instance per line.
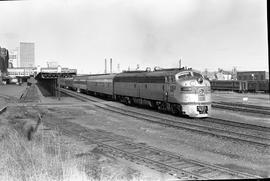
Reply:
x=184, y=75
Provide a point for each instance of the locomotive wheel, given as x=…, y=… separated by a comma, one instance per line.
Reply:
x=153, y=105
x=160, y=108
x=129, y=101
x=174, y=110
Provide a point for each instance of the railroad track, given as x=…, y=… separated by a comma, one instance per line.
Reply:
x=9, y=98
x=235, y=131
x=242, y=107
x=5, y=97
x=154, y=158
x=30, y=95
x=160, y=160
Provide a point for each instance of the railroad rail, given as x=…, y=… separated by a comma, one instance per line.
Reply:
x=242, y=107
x=235, y=131
x=5, y=97
x=3, y=109
x=154, y=158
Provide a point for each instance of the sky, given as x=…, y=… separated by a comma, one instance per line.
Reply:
x=204, y=34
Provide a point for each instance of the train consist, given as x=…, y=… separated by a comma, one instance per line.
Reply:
x=179, y=91
x=241, y=85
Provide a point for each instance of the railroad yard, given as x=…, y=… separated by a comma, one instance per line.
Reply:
x=122, y=142
x=134, y=90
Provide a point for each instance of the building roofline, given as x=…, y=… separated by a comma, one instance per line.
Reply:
x=252, y=71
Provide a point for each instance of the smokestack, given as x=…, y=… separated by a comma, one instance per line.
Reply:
x=180, y=61
x=105, y=66
x=111, y=65
x=118, y=68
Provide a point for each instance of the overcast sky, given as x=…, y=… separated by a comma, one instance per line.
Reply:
x=82, y=33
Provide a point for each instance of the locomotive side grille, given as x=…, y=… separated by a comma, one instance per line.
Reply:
x=201, y=98
x=186, y=88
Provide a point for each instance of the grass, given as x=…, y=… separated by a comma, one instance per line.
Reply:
x=51, y=156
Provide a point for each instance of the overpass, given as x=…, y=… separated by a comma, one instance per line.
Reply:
x=47, y=79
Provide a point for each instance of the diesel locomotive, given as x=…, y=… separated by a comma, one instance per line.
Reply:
x=179, y=91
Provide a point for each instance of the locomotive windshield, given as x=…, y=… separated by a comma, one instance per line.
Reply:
x=197, y=75
x=185, y=75
x=189, y=74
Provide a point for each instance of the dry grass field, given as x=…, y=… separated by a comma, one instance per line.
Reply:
x=52, y=156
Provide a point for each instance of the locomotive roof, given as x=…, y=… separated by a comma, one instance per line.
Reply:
x=158, y=73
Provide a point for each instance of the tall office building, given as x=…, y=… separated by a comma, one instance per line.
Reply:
x=27, y=54
x=14, y=58
x=4, y=56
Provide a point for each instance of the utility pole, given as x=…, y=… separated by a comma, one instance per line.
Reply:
x=118, y=68
x=268, y=54
x=58, y=87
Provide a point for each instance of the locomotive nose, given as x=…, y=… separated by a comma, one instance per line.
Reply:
x=200, y=80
